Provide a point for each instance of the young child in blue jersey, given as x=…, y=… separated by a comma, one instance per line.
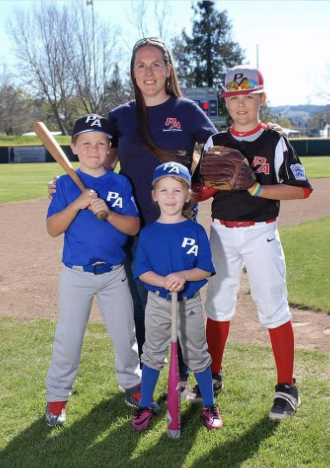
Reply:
x=93, y=258
x=174, y=255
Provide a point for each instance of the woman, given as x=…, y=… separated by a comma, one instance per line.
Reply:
x=158, y=126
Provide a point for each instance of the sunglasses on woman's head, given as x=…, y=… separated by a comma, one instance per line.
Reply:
x=145, y=40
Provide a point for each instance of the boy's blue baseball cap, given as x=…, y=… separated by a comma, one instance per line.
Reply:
x=91, y=123
x=243, y=79
x=172, y=169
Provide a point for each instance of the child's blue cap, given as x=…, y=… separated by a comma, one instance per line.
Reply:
x=91, y=123
x=172, y=169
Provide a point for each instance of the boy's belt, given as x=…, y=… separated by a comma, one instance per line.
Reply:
x=232, y=224
x=97, y=268
x=168, y=295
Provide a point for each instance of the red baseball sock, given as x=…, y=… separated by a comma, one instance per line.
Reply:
x=282, y=340
x=216, y=336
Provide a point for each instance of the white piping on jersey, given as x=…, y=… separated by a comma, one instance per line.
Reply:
x=208, y=144
x=280, y=149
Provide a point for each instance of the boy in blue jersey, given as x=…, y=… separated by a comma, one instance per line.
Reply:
x=174, y=255
x=93, y=258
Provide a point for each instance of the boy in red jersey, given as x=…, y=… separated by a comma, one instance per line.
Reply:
x=244, y=232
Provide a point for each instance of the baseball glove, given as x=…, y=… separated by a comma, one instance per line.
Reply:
x=225, y=168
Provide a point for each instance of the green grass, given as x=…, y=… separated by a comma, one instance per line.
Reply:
x=317, y=167
x=30, y=140
x=98, y=433
x=26, y=181
x=307, y=252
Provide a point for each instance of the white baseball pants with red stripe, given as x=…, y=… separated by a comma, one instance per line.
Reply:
x=259, y=248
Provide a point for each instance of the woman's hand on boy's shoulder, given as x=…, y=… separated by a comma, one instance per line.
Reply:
x=52, y=187
x=275, y=126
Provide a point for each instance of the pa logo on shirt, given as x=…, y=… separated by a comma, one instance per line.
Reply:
x=172, y=125
x=115, y=199
x=191, y=243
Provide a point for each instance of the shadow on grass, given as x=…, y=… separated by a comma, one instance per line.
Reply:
x=103, y=438
x=230, y=454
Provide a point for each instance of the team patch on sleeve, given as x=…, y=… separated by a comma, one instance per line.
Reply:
x=298, y=171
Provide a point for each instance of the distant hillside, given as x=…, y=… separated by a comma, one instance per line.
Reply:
x=299, y=115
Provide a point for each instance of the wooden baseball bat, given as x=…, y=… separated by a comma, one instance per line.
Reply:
x=58, y=154
x=173, y=388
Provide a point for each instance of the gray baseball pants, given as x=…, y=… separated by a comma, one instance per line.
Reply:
x=76, y=292
x=191, y=333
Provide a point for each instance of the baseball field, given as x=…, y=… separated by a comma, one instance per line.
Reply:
x=97, y=433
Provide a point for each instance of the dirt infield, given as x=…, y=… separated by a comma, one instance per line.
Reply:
x=31, y=264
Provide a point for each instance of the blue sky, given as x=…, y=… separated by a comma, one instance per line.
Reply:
x=291, y=37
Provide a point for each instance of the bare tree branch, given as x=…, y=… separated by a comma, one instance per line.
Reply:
x=145, y=14
x=55, y=50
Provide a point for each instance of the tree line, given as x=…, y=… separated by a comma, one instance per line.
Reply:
x=69, y=62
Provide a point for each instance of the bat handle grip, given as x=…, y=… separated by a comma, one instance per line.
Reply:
x=174, y=317
x=102, y=215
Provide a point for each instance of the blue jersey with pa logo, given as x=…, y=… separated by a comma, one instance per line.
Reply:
x=168, y=248
x=88, y=239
